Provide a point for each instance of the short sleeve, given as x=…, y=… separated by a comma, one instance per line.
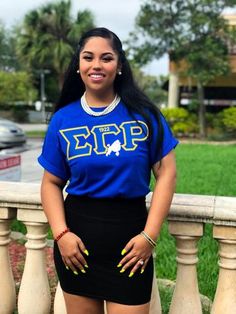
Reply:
x=169, y=141
x=52, y=157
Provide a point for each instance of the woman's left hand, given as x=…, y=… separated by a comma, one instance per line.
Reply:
x=137, y=253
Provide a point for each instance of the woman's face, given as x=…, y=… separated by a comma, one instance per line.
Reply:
x=98, y=65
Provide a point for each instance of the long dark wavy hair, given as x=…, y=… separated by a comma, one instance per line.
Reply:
x=124, y=85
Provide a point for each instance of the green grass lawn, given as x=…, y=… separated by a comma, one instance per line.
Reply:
x=37, y=134
x=206, y=169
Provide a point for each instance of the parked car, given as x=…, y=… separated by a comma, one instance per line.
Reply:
x=10, y=134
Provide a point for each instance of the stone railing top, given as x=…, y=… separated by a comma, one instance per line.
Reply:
x=18, y=194
x=185, y=207
x=219, y=210
x=225, y=209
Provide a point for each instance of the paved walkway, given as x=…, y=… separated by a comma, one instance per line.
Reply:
x=31, y=171
x=33, y=126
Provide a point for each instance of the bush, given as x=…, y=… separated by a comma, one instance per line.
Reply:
x=213, y=120
x=181, y=121
x=215, y=130
x=174, y=115
x=20, y=114
x=16, y=86
x=229, y=119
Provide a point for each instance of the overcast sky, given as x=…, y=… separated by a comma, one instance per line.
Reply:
x=116, y=15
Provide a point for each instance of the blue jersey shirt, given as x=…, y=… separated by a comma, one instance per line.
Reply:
x=106, y=156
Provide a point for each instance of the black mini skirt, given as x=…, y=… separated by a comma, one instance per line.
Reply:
x=105, y=226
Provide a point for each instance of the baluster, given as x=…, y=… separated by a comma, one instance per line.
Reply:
x=7, y=284
x=186, y=298
x=155, y=304
x=59, y=303
x=225, y=297
x=34, y=295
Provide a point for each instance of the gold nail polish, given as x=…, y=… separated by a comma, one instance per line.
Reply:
x=86, y=252
x=75, y=272
x=142, y=270
x=131, y=274
x=122, y=270
x=83, y=271
x=123, y=252
x=119, y=265
x=67, y=268
x=86, y=266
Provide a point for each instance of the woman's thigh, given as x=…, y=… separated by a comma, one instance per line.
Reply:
x=114, y=308
x=82, y=305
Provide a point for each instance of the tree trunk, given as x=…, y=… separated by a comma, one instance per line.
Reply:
x=201, y=111
x=61, y=78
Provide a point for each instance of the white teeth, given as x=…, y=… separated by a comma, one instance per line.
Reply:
x=96, y=75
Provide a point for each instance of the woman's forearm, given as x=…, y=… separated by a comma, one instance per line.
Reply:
x=161, y=198
x=53, y=205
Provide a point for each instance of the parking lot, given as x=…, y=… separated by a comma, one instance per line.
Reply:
x=31, y=171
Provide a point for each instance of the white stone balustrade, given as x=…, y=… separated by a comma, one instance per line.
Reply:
x=7, y=285
x=187, y=216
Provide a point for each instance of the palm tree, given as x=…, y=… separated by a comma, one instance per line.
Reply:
x=49, y=35
x=8, y=60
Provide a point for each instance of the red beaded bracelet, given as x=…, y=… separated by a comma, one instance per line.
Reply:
x=62, y=234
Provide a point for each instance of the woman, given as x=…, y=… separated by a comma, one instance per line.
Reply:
x=104, y=138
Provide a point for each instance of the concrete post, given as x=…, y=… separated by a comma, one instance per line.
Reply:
x=225, y=297
x=34, y=295
x=186, y=298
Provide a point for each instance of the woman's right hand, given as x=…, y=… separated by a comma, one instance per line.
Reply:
x=72, y=250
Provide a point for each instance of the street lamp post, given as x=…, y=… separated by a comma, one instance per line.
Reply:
x=42, y=92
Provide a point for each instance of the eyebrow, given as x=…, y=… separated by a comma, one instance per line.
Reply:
x=105, y=53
